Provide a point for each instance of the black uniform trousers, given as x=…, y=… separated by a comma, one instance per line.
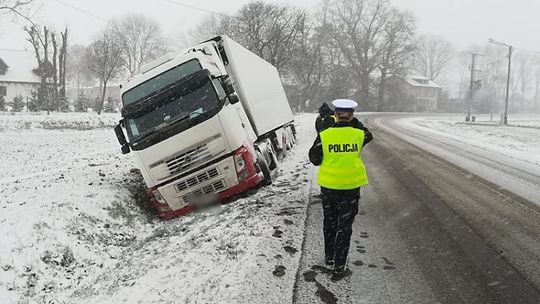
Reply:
x=340, y=208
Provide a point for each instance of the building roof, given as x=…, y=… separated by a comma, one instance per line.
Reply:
x=421, y=81
x=20, y=65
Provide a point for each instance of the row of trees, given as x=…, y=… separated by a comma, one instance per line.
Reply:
x=119, y=49
x=345, y=48
x=122, y=48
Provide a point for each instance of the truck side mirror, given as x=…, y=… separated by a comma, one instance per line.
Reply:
x=233, y=98
x=121, y=138
x=227, y=85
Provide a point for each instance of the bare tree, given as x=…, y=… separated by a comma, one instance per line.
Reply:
x=307, y=62
x=210, y=27
x=77, y=66
x=59, y=76
x=536, y=85
x=398, y=47
x=140, y=40
x=104, y=58
x=62, y=58
x=55, y=67
x=40, y=41
x=524, y=70
x=49, y=66
x=433, y=57
x=268, y=30
x=15, y=7
x=358, y=31
x=493, y=68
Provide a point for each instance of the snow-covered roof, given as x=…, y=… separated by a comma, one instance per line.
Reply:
x=420, y=81
x=20, y=65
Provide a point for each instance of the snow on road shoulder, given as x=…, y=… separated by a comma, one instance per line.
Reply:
x=518, y=143
x=76, y=227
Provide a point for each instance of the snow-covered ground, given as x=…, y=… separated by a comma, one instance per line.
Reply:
x=507, y=156
x=517, y=142
x=76, y=228
x=57, y=121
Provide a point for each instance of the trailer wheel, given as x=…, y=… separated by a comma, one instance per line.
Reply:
x=272, y=151
x=263, y=166
x=292, y=134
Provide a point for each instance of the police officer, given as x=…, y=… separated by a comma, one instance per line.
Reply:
x=325, y=117
x=337, y=150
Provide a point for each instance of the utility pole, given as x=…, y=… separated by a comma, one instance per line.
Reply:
x=505, y=119
x=471, y=86
x=510, y=50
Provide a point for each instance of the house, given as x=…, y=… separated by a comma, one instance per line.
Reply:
x=16, y=76
x=413, y=93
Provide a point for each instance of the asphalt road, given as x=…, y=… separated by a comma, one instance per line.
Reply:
x=427, y=232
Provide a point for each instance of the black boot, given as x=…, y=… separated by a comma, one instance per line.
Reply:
x=340, y=272
x=329, y=261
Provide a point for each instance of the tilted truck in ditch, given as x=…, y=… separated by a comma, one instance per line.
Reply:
x=204, y=124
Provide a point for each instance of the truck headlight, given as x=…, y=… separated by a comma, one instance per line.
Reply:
x=157, y=196
x=239, y=163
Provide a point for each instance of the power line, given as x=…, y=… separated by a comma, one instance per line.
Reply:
x=513, y=47
x=13, y=50
x=37, y=10
x=195, y=8
x=81, y=10
x=528, y=51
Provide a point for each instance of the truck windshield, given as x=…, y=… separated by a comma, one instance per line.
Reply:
x=179, y=107
x=160, y=82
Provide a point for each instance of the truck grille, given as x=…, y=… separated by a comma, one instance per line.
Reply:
x=208, y=189
x=197, y=179
x=188, y=159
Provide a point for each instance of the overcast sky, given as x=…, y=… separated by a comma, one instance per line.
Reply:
x=463, y=22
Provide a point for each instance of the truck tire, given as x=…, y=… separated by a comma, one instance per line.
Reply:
x=263, y=166
x=274, y=161
x=292, y=134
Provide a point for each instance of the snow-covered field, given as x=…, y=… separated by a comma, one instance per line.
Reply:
x=57, y=121
x=507, y=156
x=75, y=226
x=520, y=140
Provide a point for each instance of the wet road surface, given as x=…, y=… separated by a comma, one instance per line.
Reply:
x=427, y=232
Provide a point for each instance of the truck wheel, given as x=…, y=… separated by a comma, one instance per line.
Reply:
x=263, y=165
x=272, y=151
x=292, y=134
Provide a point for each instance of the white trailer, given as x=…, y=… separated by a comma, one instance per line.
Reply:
x=205, y=124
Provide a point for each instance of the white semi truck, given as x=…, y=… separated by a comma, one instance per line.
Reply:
x=205, y=124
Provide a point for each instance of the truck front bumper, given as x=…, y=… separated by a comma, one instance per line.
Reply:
x=177, y=203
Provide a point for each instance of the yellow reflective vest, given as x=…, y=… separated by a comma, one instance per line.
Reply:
x=342, y=167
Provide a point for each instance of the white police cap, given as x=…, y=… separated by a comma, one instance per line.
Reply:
x=345, y=105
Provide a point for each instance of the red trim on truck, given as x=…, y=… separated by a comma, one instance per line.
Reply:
x=247, y=176
x=250, y=176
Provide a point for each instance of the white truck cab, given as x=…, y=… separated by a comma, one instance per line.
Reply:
x=204, y=124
